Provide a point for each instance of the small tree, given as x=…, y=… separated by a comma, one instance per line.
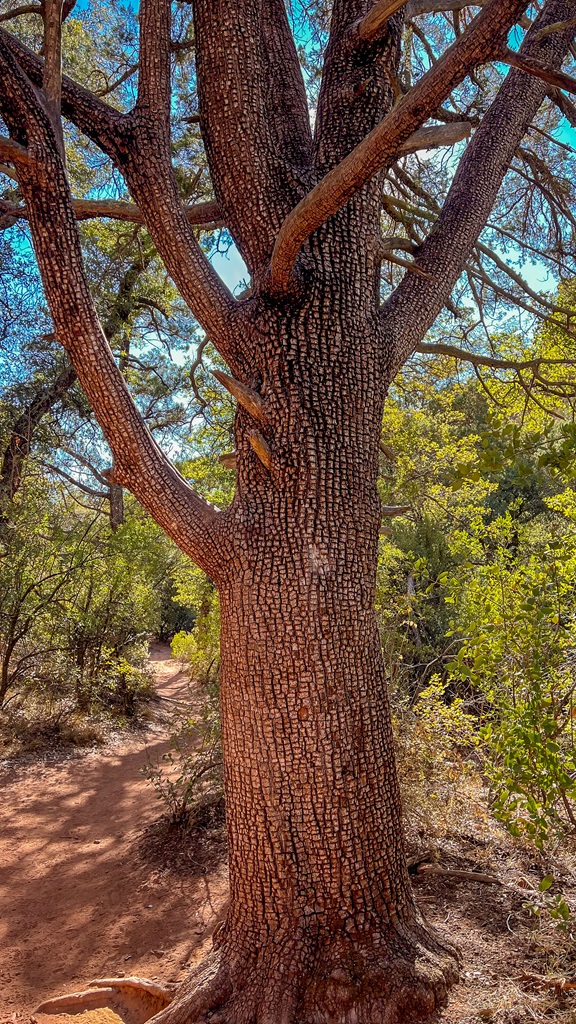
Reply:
x=322, y=924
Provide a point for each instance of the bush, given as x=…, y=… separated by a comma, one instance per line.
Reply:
x=189, y=777
x=436, y=741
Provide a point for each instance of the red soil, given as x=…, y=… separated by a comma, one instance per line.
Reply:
x=77, y=901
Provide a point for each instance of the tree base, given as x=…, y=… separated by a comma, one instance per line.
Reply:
x=360, y=979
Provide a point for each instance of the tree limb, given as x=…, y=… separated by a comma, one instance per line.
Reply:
x=378, y=151
x=564, y=105
x=22, y=432
x=139, y=146
x=139, y=462
x=374, y=23
x=415, y=304
x=558, y=26
x=415, y=8
x=435, y=136
x=108, y=128
x=259, y=146
x=201, y=215
x=52, y=77
x=535, y=67
x=12, y=151
x=440, y=349
x=17, y=12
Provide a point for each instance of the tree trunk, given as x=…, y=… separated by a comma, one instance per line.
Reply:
x=322, y=924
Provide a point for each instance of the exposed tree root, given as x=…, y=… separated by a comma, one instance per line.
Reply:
x=360, y=980
x=365, y=979
x=135, y=1000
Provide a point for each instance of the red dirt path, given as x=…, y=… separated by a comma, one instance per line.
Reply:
x=76, y=899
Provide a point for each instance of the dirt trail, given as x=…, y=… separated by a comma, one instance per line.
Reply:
x=76, y=899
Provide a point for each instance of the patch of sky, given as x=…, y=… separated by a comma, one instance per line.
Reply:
x=231, y=268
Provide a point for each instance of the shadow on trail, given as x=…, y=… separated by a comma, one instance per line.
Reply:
x=77, y=899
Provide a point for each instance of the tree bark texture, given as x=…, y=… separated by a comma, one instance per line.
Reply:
x=322, y=919
x=322, y=925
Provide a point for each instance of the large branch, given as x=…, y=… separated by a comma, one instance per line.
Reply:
x=377, y=152
x=258, y=141
x=139, y=145
x=535, y=67
x=140, y=464
x=106, y=127
x=372, y=24
x=413, y=307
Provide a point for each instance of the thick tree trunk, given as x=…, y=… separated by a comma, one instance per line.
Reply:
x=322, y=924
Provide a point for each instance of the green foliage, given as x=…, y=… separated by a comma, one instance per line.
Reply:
x=435, y=743
x=78, y=603
x=476, y=587
x=547, y=904
x=198, y=649
x=516, y=619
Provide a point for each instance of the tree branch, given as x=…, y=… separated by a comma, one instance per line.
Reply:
x=378, y=151
x=435, y=136
x=202, y=215
x=535, y=67
x=108, y=128
x=416, y=302
x=558, y=26
x=17, y=12
x=374, y=23
x=52, y=77
x=564, y=105
x=259, y=145
x=440, y=349
x=22, y=432
x=12, y=151
x=139, y=145
x=139, y=462
x=415, y=8
x=147, y=167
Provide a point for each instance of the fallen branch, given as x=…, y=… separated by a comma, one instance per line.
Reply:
x=560, y=984
x=465, y=876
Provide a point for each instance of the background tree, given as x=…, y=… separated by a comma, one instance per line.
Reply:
x=322, y=923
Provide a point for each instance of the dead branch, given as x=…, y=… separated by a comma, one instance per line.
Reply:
x=465, y=876
x=436, y=136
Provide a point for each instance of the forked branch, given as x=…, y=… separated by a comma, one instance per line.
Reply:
x=139, y=145
x=139, y=462
x=478, y=43
x=416, y=302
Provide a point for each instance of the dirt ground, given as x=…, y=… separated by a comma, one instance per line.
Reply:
x=91, y=886
x=77, y=898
